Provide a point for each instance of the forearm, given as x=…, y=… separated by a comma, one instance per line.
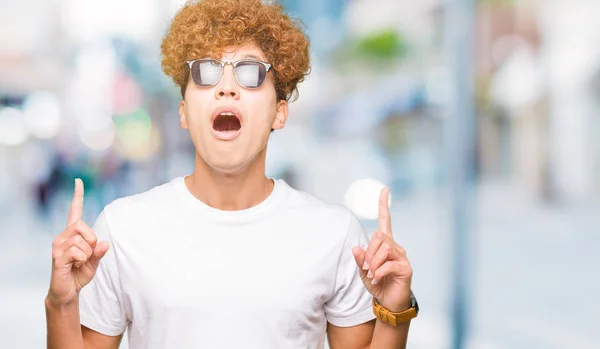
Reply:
x=63, y=326
x=387, y=336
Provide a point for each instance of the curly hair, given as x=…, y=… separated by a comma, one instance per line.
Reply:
x=205, y=28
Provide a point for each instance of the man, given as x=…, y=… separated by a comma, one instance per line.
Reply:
x=226, y=257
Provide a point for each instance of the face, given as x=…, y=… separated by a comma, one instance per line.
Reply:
x=229, y=124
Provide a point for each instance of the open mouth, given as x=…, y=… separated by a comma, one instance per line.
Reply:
x=226, y=122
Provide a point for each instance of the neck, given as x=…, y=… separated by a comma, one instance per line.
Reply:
x=230, y=191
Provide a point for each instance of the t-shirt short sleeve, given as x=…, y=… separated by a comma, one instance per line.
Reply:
x=101, y=306
x=350, y=304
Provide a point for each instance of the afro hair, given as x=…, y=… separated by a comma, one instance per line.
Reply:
x=204, y=28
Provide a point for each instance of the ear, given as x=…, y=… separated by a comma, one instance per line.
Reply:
x=281, y=116
x=182, y=119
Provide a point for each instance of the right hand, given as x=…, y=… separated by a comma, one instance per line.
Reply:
x=76, y=255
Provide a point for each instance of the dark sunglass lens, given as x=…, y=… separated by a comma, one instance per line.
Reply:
x=250, y=74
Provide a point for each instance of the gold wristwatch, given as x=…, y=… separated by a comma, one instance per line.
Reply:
x=394, y=319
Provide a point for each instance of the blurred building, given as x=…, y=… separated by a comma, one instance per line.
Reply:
x=538, y=114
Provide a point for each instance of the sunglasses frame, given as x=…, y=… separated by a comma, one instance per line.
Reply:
x=234, y=64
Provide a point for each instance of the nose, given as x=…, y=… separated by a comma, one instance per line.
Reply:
x=227, y=86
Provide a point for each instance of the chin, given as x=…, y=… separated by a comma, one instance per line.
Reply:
x=229, y=158
x=227, y=166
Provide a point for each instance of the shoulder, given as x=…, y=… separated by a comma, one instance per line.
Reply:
x=320, y=210
x=142, y=205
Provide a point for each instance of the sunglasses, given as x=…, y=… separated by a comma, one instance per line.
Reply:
x=249, y=73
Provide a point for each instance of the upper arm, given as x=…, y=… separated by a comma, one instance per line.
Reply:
x=355, y=337
x=97, y=340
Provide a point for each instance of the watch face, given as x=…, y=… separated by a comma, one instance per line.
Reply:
x=414, y=303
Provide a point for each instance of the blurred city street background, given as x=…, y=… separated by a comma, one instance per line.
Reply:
x=82, y=95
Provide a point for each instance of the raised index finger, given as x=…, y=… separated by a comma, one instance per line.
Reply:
x=76, y=210
x=385, y=222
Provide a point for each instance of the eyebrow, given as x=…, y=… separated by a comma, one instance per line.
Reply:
x=249, y=55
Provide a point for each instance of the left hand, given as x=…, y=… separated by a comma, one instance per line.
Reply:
x=384, y=267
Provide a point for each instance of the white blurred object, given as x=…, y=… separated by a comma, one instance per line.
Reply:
x=519, y=82
x=92, y=87
x=364, y=17
x=85, y=20
x=177, y=5
x=24, y=26
x=95, y=65
x=42, y=115
x=13, y=129
x=98, y=139
x=363, y=198
x=95, y=120
x=570, y=29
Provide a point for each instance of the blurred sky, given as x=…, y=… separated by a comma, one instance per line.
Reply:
x=82, y=95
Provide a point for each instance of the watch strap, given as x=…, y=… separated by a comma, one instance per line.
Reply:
x=392, y=318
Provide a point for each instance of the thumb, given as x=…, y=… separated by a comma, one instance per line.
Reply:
x=99, y=252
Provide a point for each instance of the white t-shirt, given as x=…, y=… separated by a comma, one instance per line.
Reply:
x=181, y=274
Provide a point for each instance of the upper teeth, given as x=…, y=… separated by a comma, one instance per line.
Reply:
x=227, y=113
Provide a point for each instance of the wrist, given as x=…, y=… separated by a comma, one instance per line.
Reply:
x=397, y=315
x=52, y=303
x=396, y=307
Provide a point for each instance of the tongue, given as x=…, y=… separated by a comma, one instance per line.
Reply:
x=226, y=123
